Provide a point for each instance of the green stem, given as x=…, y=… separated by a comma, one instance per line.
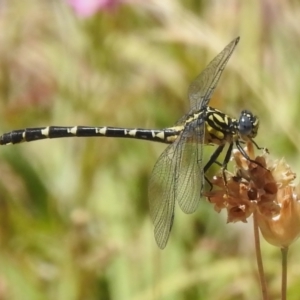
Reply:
x=284, y=253
x=260, y=267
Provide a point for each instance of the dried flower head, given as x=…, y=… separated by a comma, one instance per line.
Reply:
x=263, y=186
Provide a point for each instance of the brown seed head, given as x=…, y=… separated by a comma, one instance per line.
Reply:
x=266, y=187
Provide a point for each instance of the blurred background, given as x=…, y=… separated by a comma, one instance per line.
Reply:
x=74, y=214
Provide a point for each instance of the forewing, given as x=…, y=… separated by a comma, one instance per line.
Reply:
x=189, y=168
x=162, y=194
x=201, y=89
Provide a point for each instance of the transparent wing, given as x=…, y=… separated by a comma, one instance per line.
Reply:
x=162, y=194
x=177, y=175
x=201, y=89
x=189, y=169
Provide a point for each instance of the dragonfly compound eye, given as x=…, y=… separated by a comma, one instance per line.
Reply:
x=247, y=123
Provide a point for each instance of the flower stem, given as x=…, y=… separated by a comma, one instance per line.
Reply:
x=284, y=253
x=260, y=267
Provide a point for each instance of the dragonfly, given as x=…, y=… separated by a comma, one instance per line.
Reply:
x=179, y=173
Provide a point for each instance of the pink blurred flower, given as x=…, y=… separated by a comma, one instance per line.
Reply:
x=87, y=8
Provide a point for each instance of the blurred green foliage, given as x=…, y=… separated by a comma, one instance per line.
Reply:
x=74, y=217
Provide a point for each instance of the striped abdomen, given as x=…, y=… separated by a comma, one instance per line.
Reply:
x=33, y=134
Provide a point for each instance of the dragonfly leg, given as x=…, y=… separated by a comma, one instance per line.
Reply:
x=225, y=163
x=258, y=147
x=255, y=144
x=240, y=148
x=209, y=183
x=218, y=163
x=213, y=159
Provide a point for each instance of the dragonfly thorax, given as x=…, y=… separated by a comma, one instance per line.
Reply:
x=247, y=125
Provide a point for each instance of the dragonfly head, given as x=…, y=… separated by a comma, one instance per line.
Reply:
x=248, y=124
